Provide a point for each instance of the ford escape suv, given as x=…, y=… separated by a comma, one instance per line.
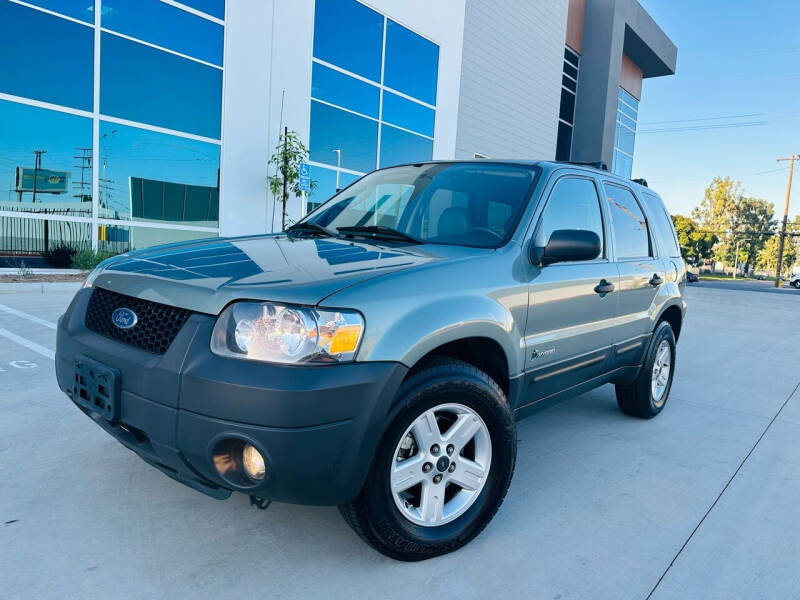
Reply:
x=377, y=354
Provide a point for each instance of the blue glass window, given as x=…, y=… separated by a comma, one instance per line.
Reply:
x=348, y=92
x=624, y=133
x=349, y=35
x=153, y=176
x=166, y=26
x=400, y=147
x=64, y=185
x=45, y=57
x=120, y=238
x=215, y=8
x=412, y=63
x=333, y=129
x=77, y=9
x=405, y=113
x=326, y=184
x=151, y=86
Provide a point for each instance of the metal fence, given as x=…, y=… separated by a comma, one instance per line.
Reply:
x=21, y=236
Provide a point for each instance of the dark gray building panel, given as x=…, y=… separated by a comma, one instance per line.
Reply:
x=613, y=28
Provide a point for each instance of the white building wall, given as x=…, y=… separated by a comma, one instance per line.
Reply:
x=511, y=78
x=268, y=51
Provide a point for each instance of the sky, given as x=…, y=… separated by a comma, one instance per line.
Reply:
x=733, y=105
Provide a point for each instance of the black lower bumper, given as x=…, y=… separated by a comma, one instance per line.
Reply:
x=317, y=427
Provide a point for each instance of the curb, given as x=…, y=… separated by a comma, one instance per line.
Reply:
x=41, y=287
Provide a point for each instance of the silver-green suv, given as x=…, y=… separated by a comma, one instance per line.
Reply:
x=377, y=354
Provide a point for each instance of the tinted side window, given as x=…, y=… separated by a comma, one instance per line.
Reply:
x=573, y=204
x=630, y=225
x=662, y=225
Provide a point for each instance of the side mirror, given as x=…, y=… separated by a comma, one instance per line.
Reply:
x=567, y=245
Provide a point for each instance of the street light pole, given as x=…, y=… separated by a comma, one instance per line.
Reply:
x=338, y=167
x=782, y=239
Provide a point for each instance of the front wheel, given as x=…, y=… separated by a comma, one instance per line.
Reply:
x=796, y=284
x=647, y=395
x=442, y=468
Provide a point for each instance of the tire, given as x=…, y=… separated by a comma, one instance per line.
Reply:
x=796, y=284
x=638, y=399
x=382, y=519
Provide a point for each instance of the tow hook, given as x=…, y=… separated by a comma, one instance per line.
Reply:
x=259, y=503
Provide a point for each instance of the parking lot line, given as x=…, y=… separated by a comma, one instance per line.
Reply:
x=19, y=313
x=28, y=344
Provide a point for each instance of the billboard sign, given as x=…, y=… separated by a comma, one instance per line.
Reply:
x=47, y=181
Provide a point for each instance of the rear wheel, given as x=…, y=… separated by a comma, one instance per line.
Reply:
x=647, y=395
x=442, y=468
x=796, y=284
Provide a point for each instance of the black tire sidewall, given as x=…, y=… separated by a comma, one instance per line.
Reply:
x=662, y=332
x=389, y=526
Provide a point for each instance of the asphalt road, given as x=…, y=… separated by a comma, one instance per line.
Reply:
x=701, y=502
x=748, y=285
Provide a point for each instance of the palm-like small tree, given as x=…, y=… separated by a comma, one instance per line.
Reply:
x=289, y=154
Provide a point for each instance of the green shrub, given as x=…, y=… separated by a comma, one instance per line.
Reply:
x=86, y=260
x=59, y=256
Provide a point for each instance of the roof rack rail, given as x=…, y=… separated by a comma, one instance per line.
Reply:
x=599, y=164
x=641, y=181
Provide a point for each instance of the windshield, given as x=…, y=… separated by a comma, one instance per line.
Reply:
x=465, y=204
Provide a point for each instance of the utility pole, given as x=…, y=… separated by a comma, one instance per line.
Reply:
x=37, y=164
x=85, y=159
x=782, y=239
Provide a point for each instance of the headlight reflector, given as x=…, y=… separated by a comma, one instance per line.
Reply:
x=277, y=333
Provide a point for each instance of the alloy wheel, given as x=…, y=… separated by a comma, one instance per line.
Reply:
x=440, y=465
x=661, y=371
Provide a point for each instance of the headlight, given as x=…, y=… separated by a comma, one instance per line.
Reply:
x=286, y=334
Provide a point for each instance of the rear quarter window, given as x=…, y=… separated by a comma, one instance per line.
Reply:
x=662, y=224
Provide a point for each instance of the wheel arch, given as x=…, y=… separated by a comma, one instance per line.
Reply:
x=674, y=316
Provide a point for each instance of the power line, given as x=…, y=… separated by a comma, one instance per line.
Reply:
x=704, y=127
x=703, y=119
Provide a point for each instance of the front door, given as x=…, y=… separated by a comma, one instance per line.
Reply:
x=572, y=305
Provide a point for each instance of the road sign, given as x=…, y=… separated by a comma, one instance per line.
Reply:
x=305, y=177
x=47, y=182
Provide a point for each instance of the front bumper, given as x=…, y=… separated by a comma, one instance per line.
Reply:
x=317, y=426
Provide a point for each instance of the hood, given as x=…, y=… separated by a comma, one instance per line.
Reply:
x=205, y=276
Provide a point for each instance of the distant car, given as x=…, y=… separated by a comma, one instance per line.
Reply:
x=692, y=277
x=794, y=281
x=761, y=277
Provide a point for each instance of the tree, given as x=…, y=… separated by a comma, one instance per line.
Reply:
x=696, y=246
x=768, y=257
x=289, y=154
x=736, y=219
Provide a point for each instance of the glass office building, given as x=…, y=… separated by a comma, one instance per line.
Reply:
x=129, y=123
x=110, y=122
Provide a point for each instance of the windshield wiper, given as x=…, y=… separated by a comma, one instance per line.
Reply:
x=307, y=227
x=379, y=231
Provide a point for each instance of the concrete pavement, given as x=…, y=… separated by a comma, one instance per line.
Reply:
x=700, y=502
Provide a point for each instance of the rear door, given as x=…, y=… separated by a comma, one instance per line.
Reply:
x=569, y=331
x=641, y=272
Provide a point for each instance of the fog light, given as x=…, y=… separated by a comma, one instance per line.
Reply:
x=253, y=462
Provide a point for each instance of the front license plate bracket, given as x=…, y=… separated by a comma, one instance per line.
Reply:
x=96, y=387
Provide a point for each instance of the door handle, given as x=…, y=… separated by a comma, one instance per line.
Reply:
x=656, y=280
x=604, y=287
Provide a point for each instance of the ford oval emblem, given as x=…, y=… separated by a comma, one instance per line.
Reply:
x=124, y=318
